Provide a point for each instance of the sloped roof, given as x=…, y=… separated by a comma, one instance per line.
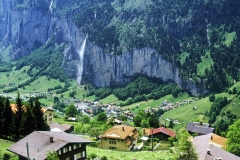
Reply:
x=39, y=143
x=166, y=131
x=216, y=152
x=62, y=127
x=196, y=127
x=203, y=143
x=119, y=132
x=47, y=109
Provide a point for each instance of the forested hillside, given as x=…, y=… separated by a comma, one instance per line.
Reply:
x=199, y=37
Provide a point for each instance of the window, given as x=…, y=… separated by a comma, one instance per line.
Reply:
x=74, y=146
x=112, y=148
x=83, y=154
x=68, y=158
x=50, y=119
x=112, y=142
x=70, y=148
x=59, y=152
x=77, y=156
x=50, y=114
x=64, y=150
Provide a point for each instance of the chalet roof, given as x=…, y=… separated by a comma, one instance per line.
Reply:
x=47, y=109
x=39, y=143
x=166, y=131
x=120, y=132
x=196, y=127
x=62, y=127
x=216, y=152
x=203, y=144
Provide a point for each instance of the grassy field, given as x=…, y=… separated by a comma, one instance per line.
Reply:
x=119, y=155
x=206, y=62
x=4, y=144
x=229, y=37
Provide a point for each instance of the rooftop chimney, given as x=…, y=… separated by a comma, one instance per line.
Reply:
x=122, y=128
x=51, y=139
x=208, y=151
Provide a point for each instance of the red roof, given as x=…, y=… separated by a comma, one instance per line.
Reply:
x=162, y=130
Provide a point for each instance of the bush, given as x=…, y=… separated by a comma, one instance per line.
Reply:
x=6, y=156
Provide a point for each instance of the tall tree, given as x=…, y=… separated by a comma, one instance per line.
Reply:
x=1, y=111
x=102, y=117
x=186, y=151
x=233, y=136
x=17, y=118
x=40, y=123
x=71, y=111
x=28, y=122
x=153, y=121
x=6, y=118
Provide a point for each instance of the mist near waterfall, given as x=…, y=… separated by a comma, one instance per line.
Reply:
x=80, y=64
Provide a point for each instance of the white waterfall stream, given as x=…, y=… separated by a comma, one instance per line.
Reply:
x=80, y=65
x=50, y=7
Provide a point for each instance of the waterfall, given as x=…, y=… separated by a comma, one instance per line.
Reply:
x=80, y=65
x=50, y=7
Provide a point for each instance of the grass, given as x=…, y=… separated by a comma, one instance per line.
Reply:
x=109, y=99
x=206, y=62
x=156, y=103
x=4, y=144
x=119, y=155
x=229, y=38
x=183, y=57
x=186, y=113
x=5, y=54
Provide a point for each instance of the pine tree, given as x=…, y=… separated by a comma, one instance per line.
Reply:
x=17, y=119
x=40, y=123
x=6, y=118
x=1, y=113
x=28, y=122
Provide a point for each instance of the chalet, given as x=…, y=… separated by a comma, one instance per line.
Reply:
x=199, y=128
x=161, y=132
x=40, y=143
x=120, y=137
x=48, y=115
x=208, y=148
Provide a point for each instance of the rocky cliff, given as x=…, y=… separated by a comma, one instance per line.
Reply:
x=23, y=31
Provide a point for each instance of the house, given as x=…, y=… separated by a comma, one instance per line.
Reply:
x=48, y=115
x=161, y=132
x=208, y=148
x=40, y=143
x=61, y=127
x=120, y=137
x=199, y=128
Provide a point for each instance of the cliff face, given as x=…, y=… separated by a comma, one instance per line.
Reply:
x=104, y=69
x=26, y=30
